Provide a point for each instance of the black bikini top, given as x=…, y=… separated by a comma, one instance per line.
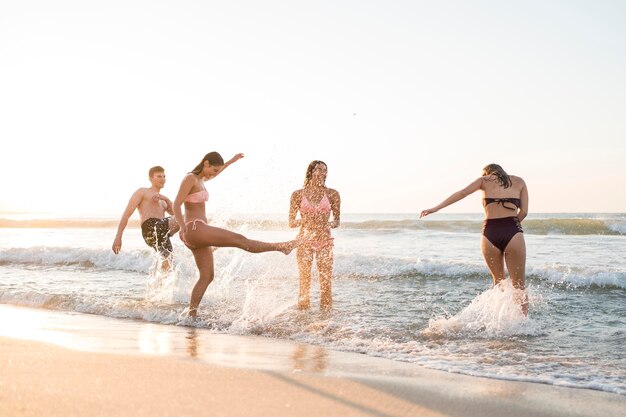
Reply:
x=515, y=201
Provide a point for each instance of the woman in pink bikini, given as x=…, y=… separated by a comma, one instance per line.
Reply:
x=199, y=236
x=505, y=200
x=315, y=202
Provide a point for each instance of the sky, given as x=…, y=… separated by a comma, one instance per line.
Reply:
x=406, y=101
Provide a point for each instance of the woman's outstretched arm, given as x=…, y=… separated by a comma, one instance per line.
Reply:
x=459, y=195
x=231, y=161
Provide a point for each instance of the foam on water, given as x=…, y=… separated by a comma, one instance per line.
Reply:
x=346, y=266
x=104, y=259
x=492, y=314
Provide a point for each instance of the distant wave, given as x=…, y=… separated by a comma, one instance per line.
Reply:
x=575, y=227
x=531, y=226
x=346, y=267
x=548, y=226
x=62, y=223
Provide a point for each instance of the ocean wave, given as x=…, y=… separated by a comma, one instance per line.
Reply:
x=575, y=227
x=62, y=223
x=380, y=267
x=45, y=256
x=229, y=223
x=353, y=266
x=385, y=267
x=547, y=226
x=126, y=308
x=531, y=226
x=580, y=277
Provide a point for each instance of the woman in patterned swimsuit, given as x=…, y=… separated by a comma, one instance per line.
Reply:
x=315, y=202
x=505, y=200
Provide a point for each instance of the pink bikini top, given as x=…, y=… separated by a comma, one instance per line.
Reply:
x=201, y=196
x=322, y=207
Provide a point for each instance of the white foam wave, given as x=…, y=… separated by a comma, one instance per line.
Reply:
x=233, y=263
x=136, y=260
x=618, y=227
x=387, y=266
x=137, y=309
x=580, y=277
x=494, y=313
x=384, y=267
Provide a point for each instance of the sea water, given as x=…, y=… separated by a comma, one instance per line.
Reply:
x=404, y=289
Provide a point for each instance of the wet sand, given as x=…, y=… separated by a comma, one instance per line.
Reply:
x=69, y=364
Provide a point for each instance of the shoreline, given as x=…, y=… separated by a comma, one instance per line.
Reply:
x=58, y=363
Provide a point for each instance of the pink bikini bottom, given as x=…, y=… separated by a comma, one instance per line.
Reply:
x=194, y=223
x=193, y=227
x=318, y=244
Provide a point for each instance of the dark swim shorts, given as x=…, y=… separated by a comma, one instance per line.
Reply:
x=156, y=234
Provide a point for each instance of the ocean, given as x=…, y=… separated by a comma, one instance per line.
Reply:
x=404, y=289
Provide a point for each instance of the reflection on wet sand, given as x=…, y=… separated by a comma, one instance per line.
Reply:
x=104, y=334
x=309, y=358
x=192, y=343
x=151, y=339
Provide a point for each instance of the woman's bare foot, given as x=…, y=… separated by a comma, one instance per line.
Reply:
x=524, y=304
x=287, y=247
x=520, y=297
x=193, y=312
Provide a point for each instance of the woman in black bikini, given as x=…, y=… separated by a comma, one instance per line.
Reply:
x=505, y=200
x=196, y=233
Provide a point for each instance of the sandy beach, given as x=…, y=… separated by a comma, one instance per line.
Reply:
x=60, y=364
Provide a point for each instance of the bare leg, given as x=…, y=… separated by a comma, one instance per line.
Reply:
x=204, y=261
x=325, y=268
x=305, y=263
x=494, y=260
x=214, y=236
x=515, y=255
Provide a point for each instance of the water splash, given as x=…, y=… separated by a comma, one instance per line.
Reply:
x=493, y=314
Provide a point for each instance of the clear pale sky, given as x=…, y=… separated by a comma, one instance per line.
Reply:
x=405, y=101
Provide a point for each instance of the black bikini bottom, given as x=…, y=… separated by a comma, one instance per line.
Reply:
x=500, y=231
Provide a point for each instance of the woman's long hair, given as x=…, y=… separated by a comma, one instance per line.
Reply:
x=501, y=175
x=309, y=171
x=213, y=158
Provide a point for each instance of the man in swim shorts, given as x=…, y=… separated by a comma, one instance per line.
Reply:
x=152, y=206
